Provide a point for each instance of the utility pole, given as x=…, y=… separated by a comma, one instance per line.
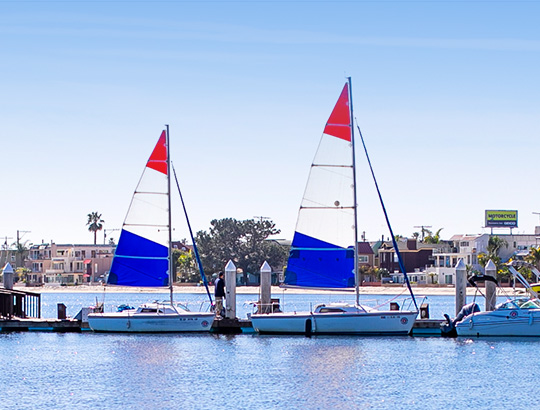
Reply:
x=20, y=237
x=4, y=250
x=105, y=234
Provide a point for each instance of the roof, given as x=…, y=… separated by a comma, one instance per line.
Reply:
x=364, y=248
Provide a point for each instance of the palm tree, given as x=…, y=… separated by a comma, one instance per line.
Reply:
x=95, y=224
x=21, y=250
x=494, y=245
x=430, y=238
x=534, y=256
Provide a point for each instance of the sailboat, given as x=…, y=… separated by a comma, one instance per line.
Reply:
x=143, y=256
x=324, y=250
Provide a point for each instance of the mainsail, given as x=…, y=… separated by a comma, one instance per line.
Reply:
x=142, y=254
x=323, y=248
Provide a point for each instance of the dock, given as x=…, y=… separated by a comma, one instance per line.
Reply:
x=422, y=327
x=52, y=325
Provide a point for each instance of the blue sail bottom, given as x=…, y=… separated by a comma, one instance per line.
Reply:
x=319, y=264
x=139, y=262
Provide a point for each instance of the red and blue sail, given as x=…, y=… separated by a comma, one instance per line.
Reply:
x=322, y=251
x=142, y=255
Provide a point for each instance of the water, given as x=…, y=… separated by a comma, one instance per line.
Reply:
x=201, y=371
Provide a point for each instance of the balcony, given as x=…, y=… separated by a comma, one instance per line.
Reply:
x=54, y=271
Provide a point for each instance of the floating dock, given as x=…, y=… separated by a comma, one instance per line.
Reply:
x=52, y=325
x=422, y=327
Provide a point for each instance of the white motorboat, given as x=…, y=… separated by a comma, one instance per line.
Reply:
x=516, y=317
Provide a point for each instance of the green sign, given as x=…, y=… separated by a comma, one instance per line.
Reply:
x=501, y=219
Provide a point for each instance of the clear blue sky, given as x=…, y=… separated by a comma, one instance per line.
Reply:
x=446, y=92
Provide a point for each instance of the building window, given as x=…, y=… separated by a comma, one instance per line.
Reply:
x=363, y=259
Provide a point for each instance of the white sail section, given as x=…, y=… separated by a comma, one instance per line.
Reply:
x=148, y=213
x=327, y=210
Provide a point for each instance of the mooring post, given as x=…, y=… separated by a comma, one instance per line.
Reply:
x=7, y=271
x=491, y=289
x=266, y=289
x=230, y=290
x=461, y=285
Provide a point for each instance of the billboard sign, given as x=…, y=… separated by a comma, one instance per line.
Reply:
x=501, y=219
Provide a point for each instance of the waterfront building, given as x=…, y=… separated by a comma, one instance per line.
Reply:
x=417, y=257
x=63, y=264
x=468, y=247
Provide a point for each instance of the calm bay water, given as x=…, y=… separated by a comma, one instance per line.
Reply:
x=107, y=371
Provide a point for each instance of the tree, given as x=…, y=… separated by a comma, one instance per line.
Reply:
x=94, y=224
x=244, y=242
x=21, y=250
x=534, y=256
x=494, y=245
x=430, y=238
x=186, y=266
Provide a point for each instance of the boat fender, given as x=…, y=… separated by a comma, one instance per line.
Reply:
x=308, y=327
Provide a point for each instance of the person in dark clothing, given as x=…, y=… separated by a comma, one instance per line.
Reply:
x=219, y=293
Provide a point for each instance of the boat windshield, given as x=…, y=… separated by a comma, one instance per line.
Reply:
x=531, y=304
x=521, y=303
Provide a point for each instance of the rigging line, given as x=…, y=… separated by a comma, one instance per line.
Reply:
x=400, y=259
x=197, y=257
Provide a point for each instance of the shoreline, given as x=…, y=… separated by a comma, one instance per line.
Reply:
x=254, y=290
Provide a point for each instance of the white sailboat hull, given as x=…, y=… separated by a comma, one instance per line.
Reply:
x=132, y=322
x=501, y=323
x=359, y=323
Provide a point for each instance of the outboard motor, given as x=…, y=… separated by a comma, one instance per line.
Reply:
x=448, y=329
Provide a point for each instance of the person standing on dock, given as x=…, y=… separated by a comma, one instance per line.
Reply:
x=219, y=293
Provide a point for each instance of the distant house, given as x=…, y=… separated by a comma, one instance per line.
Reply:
x=52, y=263
x=366, y=256
x=415, y=259
x=468, y=247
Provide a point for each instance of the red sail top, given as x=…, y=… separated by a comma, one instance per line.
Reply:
x=158, y=159
x=339, y=123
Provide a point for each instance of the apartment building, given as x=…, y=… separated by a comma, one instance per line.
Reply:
x=52, y=263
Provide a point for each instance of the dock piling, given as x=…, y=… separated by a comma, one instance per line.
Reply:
x=230, y=290
x=461, y=285
x=491, y=289
x=265, y=289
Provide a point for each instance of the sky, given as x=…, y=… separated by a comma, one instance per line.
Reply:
x=446, y=94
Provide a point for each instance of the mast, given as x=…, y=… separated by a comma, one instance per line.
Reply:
x=355, y=205
x=170, y=213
